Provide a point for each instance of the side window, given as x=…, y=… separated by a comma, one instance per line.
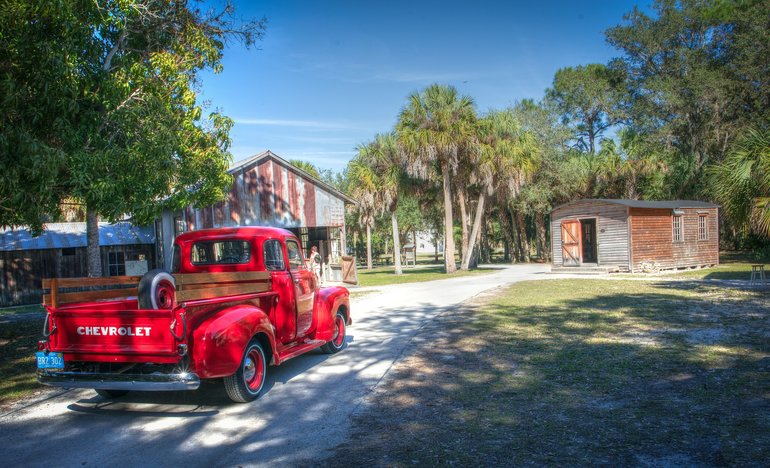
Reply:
x=295, y=255
x=273, y=255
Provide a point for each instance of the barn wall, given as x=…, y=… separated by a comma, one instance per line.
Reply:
x=270, y=193
x=652, y=238
x=611, y=231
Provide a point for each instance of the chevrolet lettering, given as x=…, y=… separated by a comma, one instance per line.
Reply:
x=113, y=331
x=236, y=301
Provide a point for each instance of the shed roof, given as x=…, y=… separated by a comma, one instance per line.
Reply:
x=650, y=204
x=69, y=235
x=253, y=160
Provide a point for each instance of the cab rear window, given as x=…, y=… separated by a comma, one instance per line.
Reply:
x=221, y=252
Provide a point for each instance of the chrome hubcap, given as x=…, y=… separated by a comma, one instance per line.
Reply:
x=249, y=369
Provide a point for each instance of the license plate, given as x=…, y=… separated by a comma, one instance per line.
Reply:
x=50, y=360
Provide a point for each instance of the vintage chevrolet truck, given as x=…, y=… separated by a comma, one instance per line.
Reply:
x=235, y=301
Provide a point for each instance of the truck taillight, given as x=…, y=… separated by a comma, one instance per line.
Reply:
x=42, y=345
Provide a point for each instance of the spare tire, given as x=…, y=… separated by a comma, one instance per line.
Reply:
x=157, y=290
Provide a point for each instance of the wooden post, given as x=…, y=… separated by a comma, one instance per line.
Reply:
x=54, y=293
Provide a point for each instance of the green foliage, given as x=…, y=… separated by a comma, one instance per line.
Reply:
x=695, y=79
x=99, y=105
x=435, y=129
x=306, y=166
x=588, y=98
x=742, y=182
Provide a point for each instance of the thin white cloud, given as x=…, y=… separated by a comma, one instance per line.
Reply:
x=419, y=77
x=365, y=73
x=310, y=124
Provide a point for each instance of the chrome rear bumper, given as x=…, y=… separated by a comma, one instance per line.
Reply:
x=140, y=382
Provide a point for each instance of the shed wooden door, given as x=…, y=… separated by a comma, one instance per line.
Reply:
x=570, y=242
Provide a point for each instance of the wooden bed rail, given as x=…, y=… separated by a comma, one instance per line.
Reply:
x=109, y=288
x=190, y=287
x=195, y=286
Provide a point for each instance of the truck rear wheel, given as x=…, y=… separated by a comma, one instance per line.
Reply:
x=157, y=289
x=247, y=382
x=338, y=339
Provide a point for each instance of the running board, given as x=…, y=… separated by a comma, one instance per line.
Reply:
x=295, y=350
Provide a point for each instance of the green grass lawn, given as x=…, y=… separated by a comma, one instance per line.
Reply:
x=24, y=309
x=582, y=372
x=381, y=276
x=733, y=266
x=18, y=344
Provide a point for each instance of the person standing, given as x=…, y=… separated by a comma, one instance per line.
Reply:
x=315, y=263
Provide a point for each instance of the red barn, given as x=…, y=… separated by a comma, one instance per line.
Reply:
x=268, y=191
x=634, y=235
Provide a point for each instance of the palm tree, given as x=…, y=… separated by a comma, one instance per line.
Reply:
x=363, y=188
x=383, y=157
x=507, y=160
x=742, y=182
x=306, y=166
x=434, y=129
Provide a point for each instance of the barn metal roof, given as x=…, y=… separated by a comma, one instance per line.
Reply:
x=69, y=235
x=651, y=204
x=243, y=164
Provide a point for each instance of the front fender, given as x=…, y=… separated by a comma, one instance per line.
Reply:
x=329, y=300
x=220, y=340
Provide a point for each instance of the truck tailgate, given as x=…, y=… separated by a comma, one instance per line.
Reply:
x=96, y=334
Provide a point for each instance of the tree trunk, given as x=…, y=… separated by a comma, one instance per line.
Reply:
x=507, y=249
x=541, y=239
x=93, y=253
x=449, y=241
x=475, y=232
x=486, y=251
x=368, y=247
x=464, y=219
x=396, y=243
x=507, y=236
x=523, y=238
x=516, y=245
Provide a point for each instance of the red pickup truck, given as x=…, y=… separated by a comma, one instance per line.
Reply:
x=235, y=301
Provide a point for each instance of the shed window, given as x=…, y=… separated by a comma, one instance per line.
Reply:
x=179, y=226
x=677, y=229
x=703, y=230
x=116, y=263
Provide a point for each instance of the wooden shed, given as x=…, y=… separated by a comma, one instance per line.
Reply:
x=60, y=252
x=634, y=235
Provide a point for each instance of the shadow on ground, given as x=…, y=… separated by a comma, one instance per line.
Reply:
x=581, y=372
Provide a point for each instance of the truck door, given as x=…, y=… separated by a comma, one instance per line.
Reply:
x=304, y=287
x=285, y=312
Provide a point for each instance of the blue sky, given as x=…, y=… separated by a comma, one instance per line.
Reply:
x=330, y=75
